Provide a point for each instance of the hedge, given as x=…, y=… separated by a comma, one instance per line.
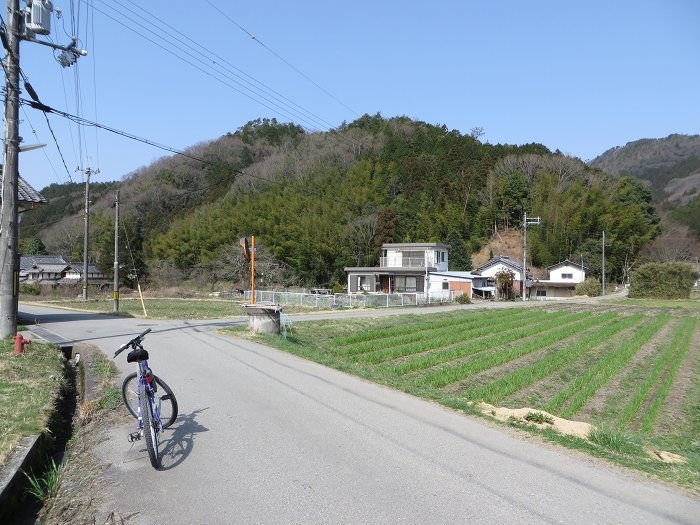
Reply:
x=670, y=280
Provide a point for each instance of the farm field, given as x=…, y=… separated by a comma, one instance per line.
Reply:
x=634, y=374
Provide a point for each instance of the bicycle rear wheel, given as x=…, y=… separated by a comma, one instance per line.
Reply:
x=168, y=403
x=150, y=432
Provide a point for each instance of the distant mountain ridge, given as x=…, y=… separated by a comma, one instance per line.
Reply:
x=670, y=166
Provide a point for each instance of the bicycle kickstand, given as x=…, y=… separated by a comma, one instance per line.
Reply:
x=134, y=436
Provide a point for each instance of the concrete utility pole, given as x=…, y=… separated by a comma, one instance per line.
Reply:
x=603, y=288
x=526, y=221
x=116, y=253
x=9, y=233
x=88, y=172
x=37, y=21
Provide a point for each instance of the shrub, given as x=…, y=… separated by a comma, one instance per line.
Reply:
x=671, y=280
x=29, y=289
x=463, y=299
x=539, y=417
x=590, y=287
x=336, y=287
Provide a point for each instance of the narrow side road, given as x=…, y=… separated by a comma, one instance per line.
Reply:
x=266, y=437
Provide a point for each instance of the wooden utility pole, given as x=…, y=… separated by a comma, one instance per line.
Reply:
x=9, y=233
x=116, y=253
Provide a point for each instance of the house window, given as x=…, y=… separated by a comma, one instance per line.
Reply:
x=362, y=283
x=567, y=276
x=412, y=259
x=410, y=284
x=445, y=285
x=541, y=293
x=405, y=284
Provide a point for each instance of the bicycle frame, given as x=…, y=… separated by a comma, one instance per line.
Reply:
x=146, y=376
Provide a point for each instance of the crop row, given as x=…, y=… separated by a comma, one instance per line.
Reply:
x=528, y=375
x=486, y=343
x=446, y=340
x=410, y=334
x=662, y=393
x=377, y=334
x=681, y=336
x=545, y=338
x=580, y=391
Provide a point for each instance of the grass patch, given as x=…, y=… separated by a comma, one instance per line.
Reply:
x=617, y=441
x=103, y=367
x=46, y=487
x=29, y=385
x=164, y=308
x=692, y=304
x=110, y=398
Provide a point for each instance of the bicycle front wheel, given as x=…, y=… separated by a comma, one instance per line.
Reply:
x=168, y=403
x=150, y=432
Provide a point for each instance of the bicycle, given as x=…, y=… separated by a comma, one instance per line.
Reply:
x=153, y=412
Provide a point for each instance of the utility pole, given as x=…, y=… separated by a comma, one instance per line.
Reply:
x=116, y=253
x=88, y=172
x=9, y=234
x=37, y=21
x=252, y=269
x=603, y=280
x=526, y=221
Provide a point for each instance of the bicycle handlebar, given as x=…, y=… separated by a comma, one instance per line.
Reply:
x=135, y=341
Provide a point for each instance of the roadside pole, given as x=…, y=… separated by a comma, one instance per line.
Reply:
x=116, y=253
x=9, y=234
x=252, y=269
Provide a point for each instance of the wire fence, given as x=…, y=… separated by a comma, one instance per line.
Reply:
x=359, y=300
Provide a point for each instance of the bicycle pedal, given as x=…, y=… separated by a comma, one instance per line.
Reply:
x=166, y=397
x=134, y=436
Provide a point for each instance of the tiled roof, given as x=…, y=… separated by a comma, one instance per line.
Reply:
x=26, y=194
x=26, y=262
x=503, y=259
x=567, y=262
x=78, y=268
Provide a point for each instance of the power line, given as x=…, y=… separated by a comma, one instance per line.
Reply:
x=251, y=35
x=84, y=122
x=199, y=66
x=213, y=57
x=28, y=87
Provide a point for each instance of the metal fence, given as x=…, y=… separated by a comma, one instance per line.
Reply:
x=355, y=300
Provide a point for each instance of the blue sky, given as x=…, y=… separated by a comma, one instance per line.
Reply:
x=580, y=77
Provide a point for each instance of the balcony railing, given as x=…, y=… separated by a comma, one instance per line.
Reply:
x=405, y=262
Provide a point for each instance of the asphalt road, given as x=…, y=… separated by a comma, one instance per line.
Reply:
x=266, y=437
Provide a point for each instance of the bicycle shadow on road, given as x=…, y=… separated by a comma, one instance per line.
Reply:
x=180, y=439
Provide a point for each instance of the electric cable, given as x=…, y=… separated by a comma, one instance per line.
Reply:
x=85, y=122
x=217, y=59
x=310, y=126
x=251, y=35
x=48, y=159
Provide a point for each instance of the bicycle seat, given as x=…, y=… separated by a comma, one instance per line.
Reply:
x=139, y=354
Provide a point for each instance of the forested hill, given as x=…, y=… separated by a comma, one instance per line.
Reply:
x=318, y=202
x=669, y=166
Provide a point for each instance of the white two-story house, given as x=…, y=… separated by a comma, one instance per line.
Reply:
x=563, y=278
x=403, y=268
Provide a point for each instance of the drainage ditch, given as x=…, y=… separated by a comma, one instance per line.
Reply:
x=23, y=507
